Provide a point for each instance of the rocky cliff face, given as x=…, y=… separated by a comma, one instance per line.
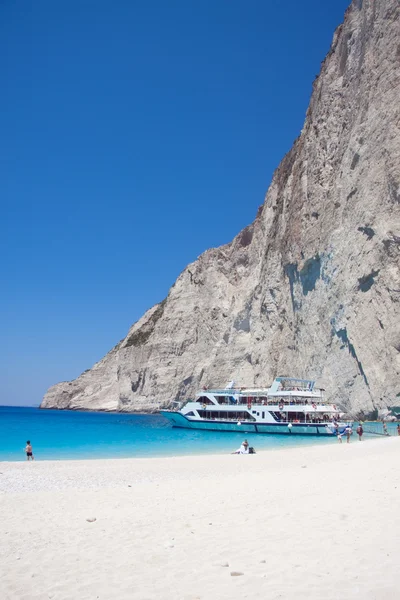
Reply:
x=312, y=287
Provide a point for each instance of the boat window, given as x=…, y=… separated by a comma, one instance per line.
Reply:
x=190, y=414
x=279, y=417
x=296, y=417
x=204, y=400
x=317, y=418
x=226, y=415
x=222, y=399
x=263, y=415
x=250, y=401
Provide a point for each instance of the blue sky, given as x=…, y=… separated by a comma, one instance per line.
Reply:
x=134, y=136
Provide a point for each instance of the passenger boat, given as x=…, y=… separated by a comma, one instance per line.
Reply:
x=290, y=406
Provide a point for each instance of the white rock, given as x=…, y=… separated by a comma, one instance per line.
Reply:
x=312, y=287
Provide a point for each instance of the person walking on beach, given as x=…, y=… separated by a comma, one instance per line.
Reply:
x=360, y=431
x=385, y=431
x=398, y=429
x=348, y=434
x=29, y=452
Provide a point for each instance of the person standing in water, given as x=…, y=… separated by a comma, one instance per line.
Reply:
x=360, y=431
x=29, y=452
x=348, y=433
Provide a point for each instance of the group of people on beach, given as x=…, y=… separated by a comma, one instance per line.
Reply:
x=360, y=431
x=348, y=432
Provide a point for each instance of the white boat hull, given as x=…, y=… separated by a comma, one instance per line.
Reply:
x=178, y=420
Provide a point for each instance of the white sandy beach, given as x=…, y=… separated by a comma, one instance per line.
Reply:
x=320, y=522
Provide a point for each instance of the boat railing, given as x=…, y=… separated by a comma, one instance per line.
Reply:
x=315, y=393
x=270, y=402
x=226, y=391
x=232, y=420
x=319, y=422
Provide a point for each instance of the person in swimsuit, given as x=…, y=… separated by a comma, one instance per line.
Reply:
x=348, y=432
x=28, y=450
x=398, y=429
x=360, y=432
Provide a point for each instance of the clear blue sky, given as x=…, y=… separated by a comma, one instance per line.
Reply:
x=134, y=136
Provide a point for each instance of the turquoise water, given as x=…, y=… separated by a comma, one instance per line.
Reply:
x=62, y=435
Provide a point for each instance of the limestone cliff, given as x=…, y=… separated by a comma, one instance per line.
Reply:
x=312, y=287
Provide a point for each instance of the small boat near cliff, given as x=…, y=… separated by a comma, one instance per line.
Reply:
x=290, y=406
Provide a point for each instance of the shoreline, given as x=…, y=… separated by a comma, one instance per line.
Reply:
x=304, y=442
x=149, y=462
x=296, y=441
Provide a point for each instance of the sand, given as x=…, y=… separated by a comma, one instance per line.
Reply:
x=318, y=522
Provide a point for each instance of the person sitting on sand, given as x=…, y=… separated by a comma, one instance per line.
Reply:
x=28, y=450
x=244, y=448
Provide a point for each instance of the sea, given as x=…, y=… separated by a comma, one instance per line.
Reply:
x=73, y=435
